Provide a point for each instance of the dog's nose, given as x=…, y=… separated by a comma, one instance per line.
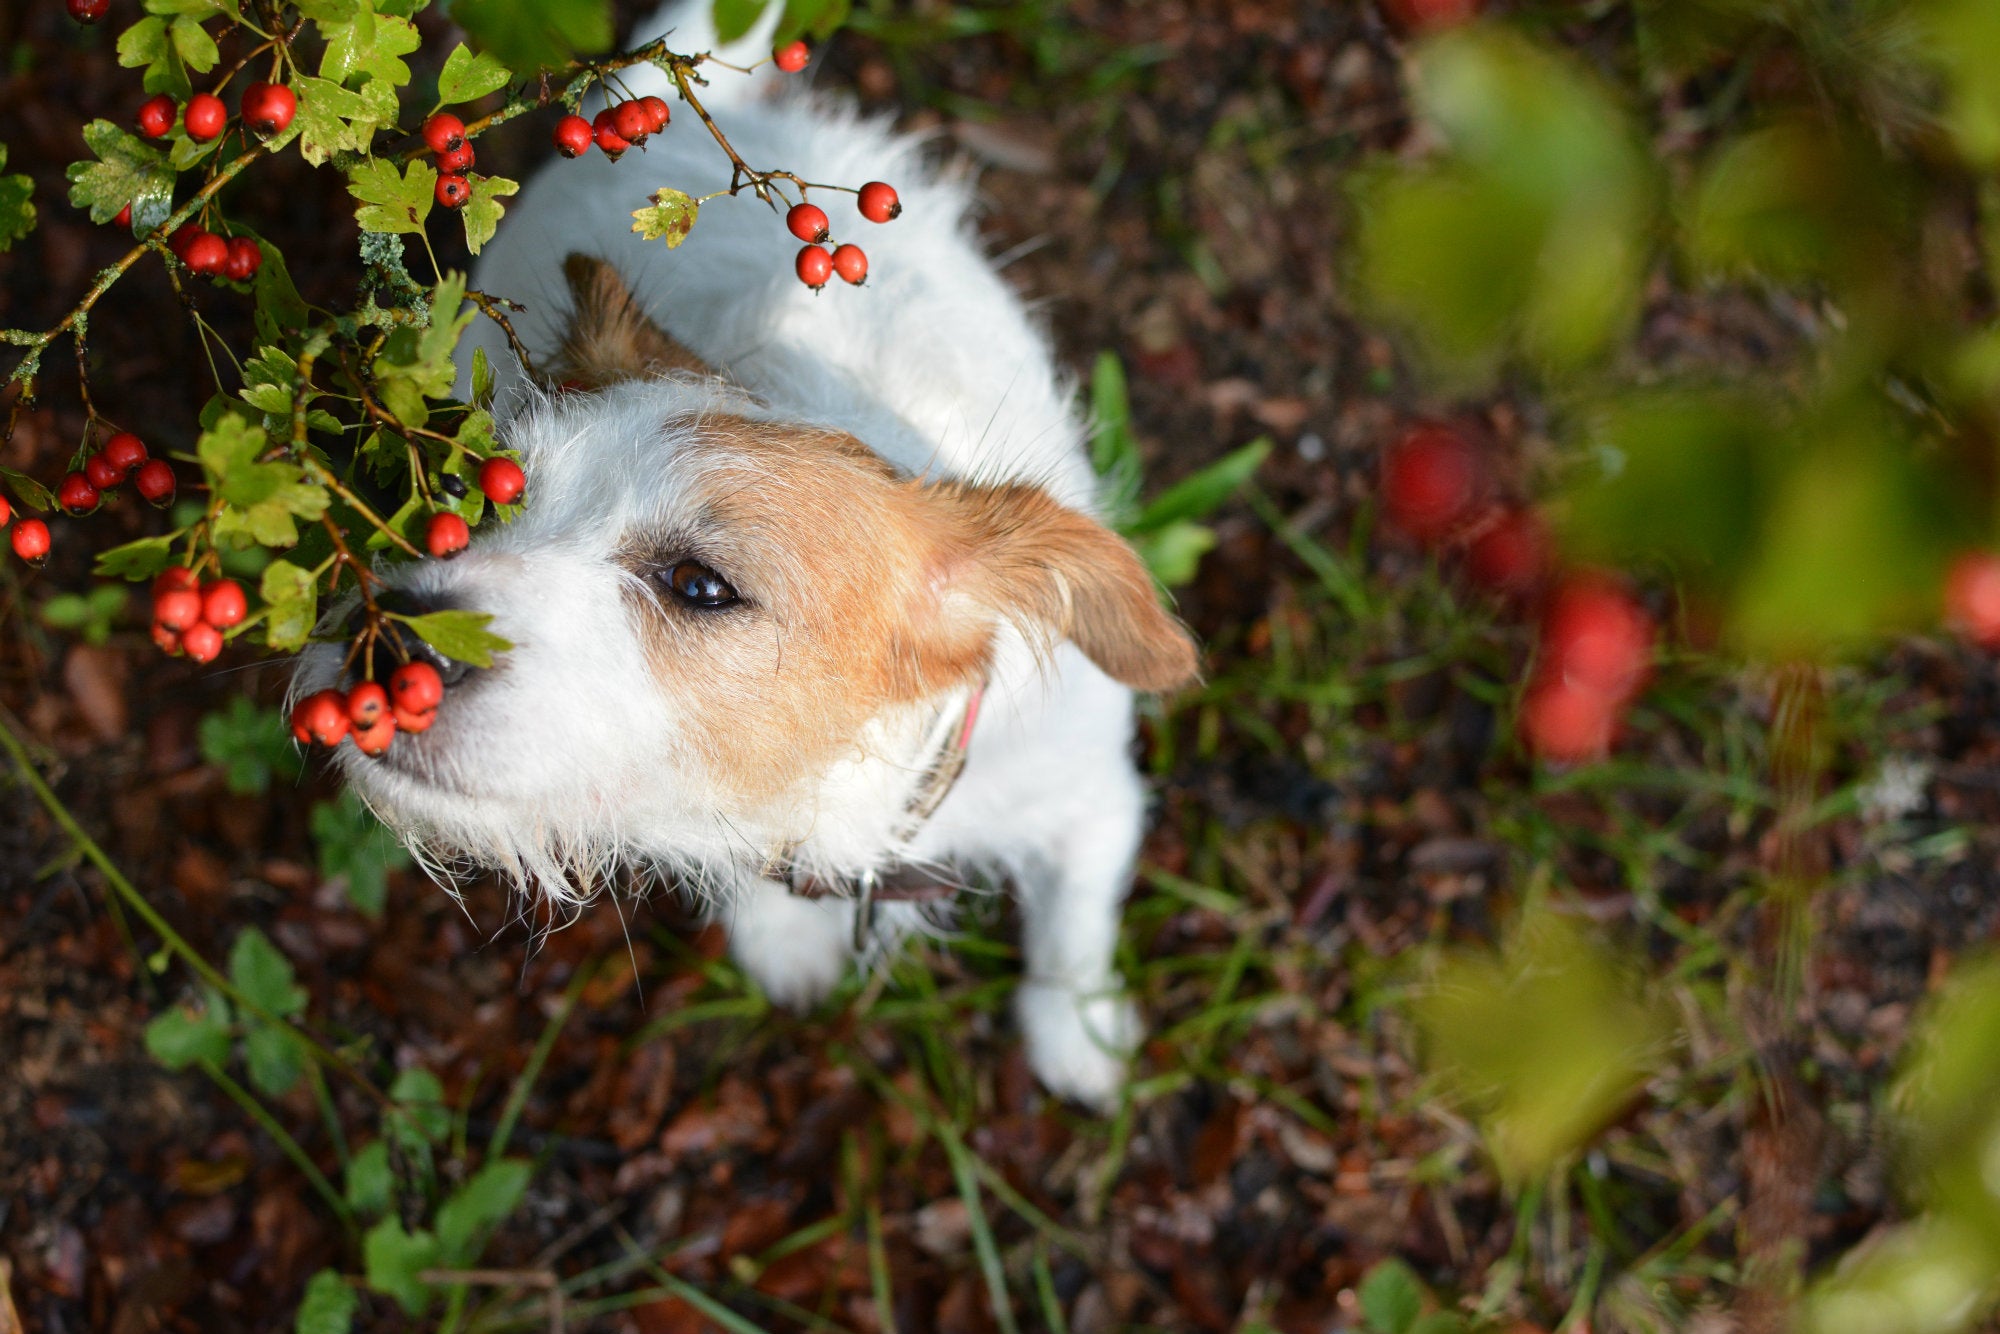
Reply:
x=401, y=642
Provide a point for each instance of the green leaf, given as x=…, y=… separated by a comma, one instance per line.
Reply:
x=815, y=18
x=249, y=744
x=276, y=1059
x=125, y=171
x=530, y=35
x=17, y=214
x=467, y=77
x=280, y=308
x=136, y=560
x=420, y=1099
x=90, y=616
x=371, y=1185
x=734, y=18
x=392, y=1259
x=476, y=1208
x=354, y=847
x=293, y=600
x=670, y=218
x=196, y=48
x=1391, y=1298
x=1174, y=553
x=332, y=119
x=264, y=497
x=1200, y=494
x=263, y=975
x=180, y=1037
x=481, y=213
x=391, y=202
x=328, y=1307
x=27, y=490
x=366, y=51
x=146, y=44
x=1962, y=38
x=459, y=635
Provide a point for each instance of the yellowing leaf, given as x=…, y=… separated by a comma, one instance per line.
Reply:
x=670, y=218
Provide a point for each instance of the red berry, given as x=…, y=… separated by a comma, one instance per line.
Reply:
x=174, y=576
x=205, y=117
x=408, y=721
x=814, y=267
x=1416, y=16
x=320, y=717
x=1596, y=638
x=99, y=472
x=447, y=535
x=375, y=739
x=366, y=703
x=444, y=132
x=124, y=451
x=808, y=223
x=183, y=236
x=1510, y=555
x=657, y=111
x=268, y=107
x=201, y=641
x=632, y=121
x=170, y=642
x=878, y=202
x=31, y=541
x=458, y=161
x=573, y=136
x=76, y=494
x=223, y=603
x=124, y=218
x=453, y=191
x=177, y=608
x=1972, y=597
x=851, y=263
x=206, y=253
x=502, y=480
x=6, y=512
x=1430, y=481
x=156, y=116
x=792, y=57
x=416, y=687
x=1564, y=722
x=87, y=11
x=155, y=481
x=245, y=258
x=605, y=131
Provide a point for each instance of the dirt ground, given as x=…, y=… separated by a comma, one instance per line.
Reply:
x=1165, y=180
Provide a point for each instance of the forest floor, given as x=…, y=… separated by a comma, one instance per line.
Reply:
x=1337, y=804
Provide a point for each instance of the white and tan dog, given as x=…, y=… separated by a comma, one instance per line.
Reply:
x=780, y=558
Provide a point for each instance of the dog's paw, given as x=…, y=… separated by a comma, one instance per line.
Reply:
x=795, y=949
x=1079, y=1038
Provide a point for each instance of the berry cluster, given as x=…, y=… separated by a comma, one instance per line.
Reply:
x=267, y=109
x=815, y=265
x=502, y=482
x=189, y=616
x=626, y=125
x=370, y=714
x=122, y=456
x=444, y=135
x=1595, y=642
x=30, y=538
x=236, y=258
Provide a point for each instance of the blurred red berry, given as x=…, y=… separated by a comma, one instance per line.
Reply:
x=321, y=717
x=205, y=117
x=502, y=481
x=155, y=481
x=177, y=608
x=632, y=121
x=124, y=218
x=1419, y=16
x=175, y=576
x=1510, y=554
x=1596, y=638
x=366, y=703
x=606, y=133
x=223, y=604
x=202, y=642
x=6, y=512
x=1972, y=597
x=376, y=738
x=87, y=11
x=268, y=108
x=878, y=202
x=245, y=258
x=1560, y=721
x=156, y=116
x=98, y=471
x=808, y=223
x=657, y=111
x=1430, y=481
x=169, y=642
x=416, y=687
x=31, y=541
x=124, y=451
x=206, y=253
x=814, y=266
x=573, y=136
x=447, y=535
x=792, y=57
x=458, y=161
x=444, y=132
x=76, y=494
x=453, y=191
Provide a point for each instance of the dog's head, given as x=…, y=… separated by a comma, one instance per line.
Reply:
x=709, y=606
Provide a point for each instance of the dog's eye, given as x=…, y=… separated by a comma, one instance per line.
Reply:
x=698, y=586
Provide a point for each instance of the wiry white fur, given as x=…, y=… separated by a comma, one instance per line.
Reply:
x=569, y=761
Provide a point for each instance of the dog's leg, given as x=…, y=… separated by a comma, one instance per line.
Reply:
x=1077, y=1021
x=797, y=949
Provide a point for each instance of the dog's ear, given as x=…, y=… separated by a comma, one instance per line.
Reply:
x=1015, y=553
x=609, y=337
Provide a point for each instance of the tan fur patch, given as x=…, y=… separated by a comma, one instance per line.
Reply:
x=610, y=337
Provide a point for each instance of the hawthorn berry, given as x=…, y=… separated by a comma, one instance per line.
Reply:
x=1430, y=481
x=1560, y=721
x=6, y=512
x=1510, y=554
x=124, y=218
x=814, y=267
x=851, y=263
x=413, y=722
x=169, y=641
x=1596, y=638
x=223, y=603
x=606, y=133
x=453, y=191
x=502, y=480
x=174, y=576
x=202, y=642
x=206, y=253
x=76, y=494
x=657, y=111
x=878, y=202
x=245, y=258
x=31, y=541
x=155, y=481
x=321, y=717
x=632, y=121
x=99, y=472
x=573, y=136
x=792, y=57
x=268, y=108
x=156, y=116
x=458, y=161
x=87, y=11
x=184, y=235
x=416, y=687
x=447, y=535
x=124, y=451
x=1419, y=16
x=808, y=223
x=205, y=117
x=366, y=703
x=1971, y=597
x=177, y=608
x=376, y=739
x=444, y=132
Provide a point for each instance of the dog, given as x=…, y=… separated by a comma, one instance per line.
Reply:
x=807, y=603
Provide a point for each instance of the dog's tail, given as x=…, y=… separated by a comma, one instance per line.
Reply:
x=689, y=27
